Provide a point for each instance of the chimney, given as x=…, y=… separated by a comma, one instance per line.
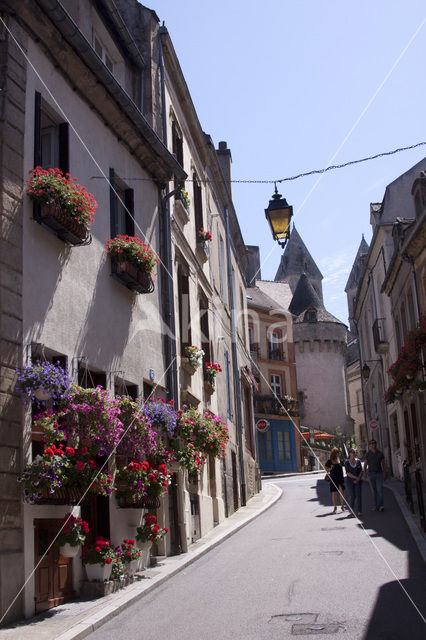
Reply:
x=225, y=161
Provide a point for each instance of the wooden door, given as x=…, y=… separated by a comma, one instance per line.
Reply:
x=53, y=576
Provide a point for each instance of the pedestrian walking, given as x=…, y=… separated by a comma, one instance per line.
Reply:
x=374, y=467
x=354, y=473
x=334, y=468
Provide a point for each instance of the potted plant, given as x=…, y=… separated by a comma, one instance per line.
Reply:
x=41, y=382
x=147, y=534
x=98, y=559
x=162, y=416
x=65, y=206
x=184, y=197
x=130, y=555
x=211, y=369
x=47, y=476
x=132, y=484
x=72, y=536
x=133, y=262
x=204, y=236
x=193, y=358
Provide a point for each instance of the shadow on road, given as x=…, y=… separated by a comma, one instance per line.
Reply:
x=395, y=615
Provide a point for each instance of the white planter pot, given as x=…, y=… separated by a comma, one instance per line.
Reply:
x=135, y=565
x=145, y=547
x=68, y=551
x=41, y=394
x=98, y=572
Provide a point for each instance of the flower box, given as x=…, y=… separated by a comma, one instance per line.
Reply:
x=188, y=366
x=62, y=224
x=61, y=496
x=181, y=211
x=209, y=386
x=149, y=502
x=132, y=277
x=92, y=590
x=203, y=250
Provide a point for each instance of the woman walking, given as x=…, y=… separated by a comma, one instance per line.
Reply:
x=334, y=468
x=354, y=474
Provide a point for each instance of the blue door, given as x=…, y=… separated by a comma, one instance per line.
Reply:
x=277, y=447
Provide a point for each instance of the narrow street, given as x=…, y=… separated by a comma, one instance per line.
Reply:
x=295, y=570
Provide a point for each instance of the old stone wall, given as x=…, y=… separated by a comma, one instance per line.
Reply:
x=12, y=121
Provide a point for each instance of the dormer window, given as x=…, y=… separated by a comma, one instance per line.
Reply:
x=103, y=53
x=311, y=315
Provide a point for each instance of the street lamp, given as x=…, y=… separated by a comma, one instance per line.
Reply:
x=279, y=214
x=366, y=371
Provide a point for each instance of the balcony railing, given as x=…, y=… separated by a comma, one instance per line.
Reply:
x=275, y=353
x=381, y=345
x=278, y=406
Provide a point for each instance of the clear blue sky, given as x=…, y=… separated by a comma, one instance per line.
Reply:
x=284, y=82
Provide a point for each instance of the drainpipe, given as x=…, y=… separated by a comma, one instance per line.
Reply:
x=169, y=334
x=237, y=384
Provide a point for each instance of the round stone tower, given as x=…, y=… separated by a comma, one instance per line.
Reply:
x=320, y=349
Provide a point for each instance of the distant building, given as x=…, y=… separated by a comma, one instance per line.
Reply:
x=319, y=343
x=273, y=367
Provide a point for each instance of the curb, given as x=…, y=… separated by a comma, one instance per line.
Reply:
x=412, y=525
x=96, y=620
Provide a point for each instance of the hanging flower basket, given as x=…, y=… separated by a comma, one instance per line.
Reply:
x=63, y=225
x=132, y=277
x=61, y=496
x=64, y=206
x=133, y=262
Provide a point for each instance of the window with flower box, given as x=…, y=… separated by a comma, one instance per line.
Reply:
x=121, y=206
x=51, y=133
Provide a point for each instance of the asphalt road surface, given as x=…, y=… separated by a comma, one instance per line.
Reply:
x=296, y=570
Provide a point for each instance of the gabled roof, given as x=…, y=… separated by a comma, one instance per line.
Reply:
x=356, y=270
x=259, y=299
x=296, y=259
x=280, y=292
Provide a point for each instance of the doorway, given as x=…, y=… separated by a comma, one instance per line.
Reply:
x=53, y=576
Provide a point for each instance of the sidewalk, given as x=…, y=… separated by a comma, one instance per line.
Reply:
x=75, y=620
x=412, y=519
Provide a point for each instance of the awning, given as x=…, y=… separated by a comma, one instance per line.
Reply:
x=318, y=435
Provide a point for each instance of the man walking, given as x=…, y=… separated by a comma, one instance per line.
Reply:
x=375, y=465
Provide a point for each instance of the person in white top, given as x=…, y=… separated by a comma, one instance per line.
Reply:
x=354, y=474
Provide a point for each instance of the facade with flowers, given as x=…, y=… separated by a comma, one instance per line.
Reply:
x=110, y=418
x=389, y=314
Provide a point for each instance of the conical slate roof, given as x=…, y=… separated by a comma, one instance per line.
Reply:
x=296, y=259
x=356, y=270
x=304, y=296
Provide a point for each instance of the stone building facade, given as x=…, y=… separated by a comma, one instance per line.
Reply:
x=389, y=306
x=100, y=93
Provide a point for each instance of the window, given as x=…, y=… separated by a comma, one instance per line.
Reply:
x=410, y=309
x=274, y=345
x=204, y=326
x=89, y=378
x=359, y=401
x=50, y=137
x=198, y=204
x=228, y=384
x=121, y=207
x=265, y=445
x=243, y=316
x=222, y=258
x=283, y=441
x=103, y=53
x=276, y=386
x=177, y=149
x=124, y=388
x=184, y=308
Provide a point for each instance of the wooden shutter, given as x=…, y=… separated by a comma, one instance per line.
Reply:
x=64, y=163
x=130, y=207
x=112, y=204
x=37, y=129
